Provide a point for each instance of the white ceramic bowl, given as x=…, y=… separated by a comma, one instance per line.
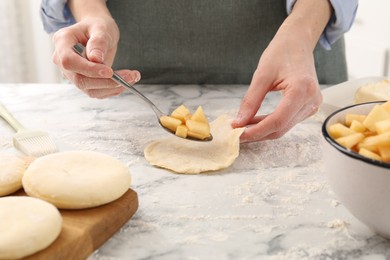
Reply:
x=360, y=183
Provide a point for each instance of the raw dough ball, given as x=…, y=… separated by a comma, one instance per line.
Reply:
x=27, y=226
x=379, y=91
x=11, y=172
x=190, y=157
x=77, y=179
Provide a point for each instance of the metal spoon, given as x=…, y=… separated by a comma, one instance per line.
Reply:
x=80, y=49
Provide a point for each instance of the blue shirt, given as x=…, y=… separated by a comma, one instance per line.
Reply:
x=55, y=14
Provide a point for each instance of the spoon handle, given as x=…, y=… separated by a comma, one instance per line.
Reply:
x=118, y=79
x=80, y=49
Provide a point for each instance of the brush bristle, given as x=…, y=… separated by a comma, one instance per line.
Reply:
x=35, y=144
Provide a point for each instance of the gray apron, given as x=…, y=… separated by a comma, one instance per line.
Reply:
x=205, y=41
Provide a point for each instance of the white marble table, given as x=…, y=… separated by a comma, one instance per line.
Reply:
x=274, y=202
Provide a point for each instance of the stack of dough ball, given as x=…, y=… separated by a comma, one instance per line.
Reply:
x=27, y=226
x=77, y=179
x=11, y=172
x=378, y=91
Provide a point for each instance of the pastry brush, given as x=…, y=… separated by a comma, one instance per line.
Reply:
x=30, y=142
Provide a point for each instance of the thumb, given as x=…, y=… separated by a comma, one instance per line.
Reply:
x=251, y=102
x=97, y=47
x=245, y=113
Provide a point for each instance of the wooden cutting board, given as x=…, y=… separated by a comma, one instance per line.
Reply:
x=83, y=231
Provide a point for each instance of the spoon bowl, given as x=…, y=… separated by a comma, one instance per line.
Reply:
x=80, y=49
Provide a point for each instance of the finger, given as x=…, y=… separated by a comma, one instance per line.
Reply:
x=276, y=123
x=73, y=62
x=273, y=126
x=256, y=119
x=86, y=83
x=252, y=100
x=67, y=59
x=254, y=135
x=97, y=47
x=104, y=93
x=129, y=76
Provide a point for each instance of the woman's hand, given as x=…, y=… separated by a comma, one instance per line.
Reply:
x=100, y=35
x=287, y=65
x=286, y=68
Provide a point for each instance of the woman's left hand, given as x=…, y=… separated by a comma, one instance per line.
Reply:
x=287, y=66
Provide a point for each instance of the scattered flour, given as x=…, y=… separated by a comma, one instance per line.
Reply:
x=218, y=237
x=247, y=199
x=335, y=203
x=340, y=226
x=337, y=224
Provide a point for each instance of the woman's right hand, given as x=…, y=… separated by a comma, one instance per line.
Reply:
x=93, y=75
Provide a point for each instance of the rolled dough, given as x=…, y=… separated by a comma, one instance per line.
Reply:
x=11, y=172
x=190, y=157
x=27, y=226
x=77, y=179
x=379, y=91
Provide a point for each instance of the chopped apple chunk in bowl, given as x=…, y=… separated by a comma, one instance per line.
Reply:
x=186, y=125
x=357, y=161
x=362, y=132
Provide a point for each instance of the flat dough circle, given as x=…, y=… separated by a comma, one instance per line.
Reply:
x=11, y=172
x=27, y=226
x=189, y=157
x=77, y=179
x=377, y=91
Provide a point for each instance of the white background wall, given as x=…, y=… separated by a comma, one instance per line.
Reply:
x=368, y=41
x=26, y=49
x=45, y=70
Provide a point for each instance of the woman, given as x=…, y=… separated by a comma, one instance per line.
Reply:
x=208, y=42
